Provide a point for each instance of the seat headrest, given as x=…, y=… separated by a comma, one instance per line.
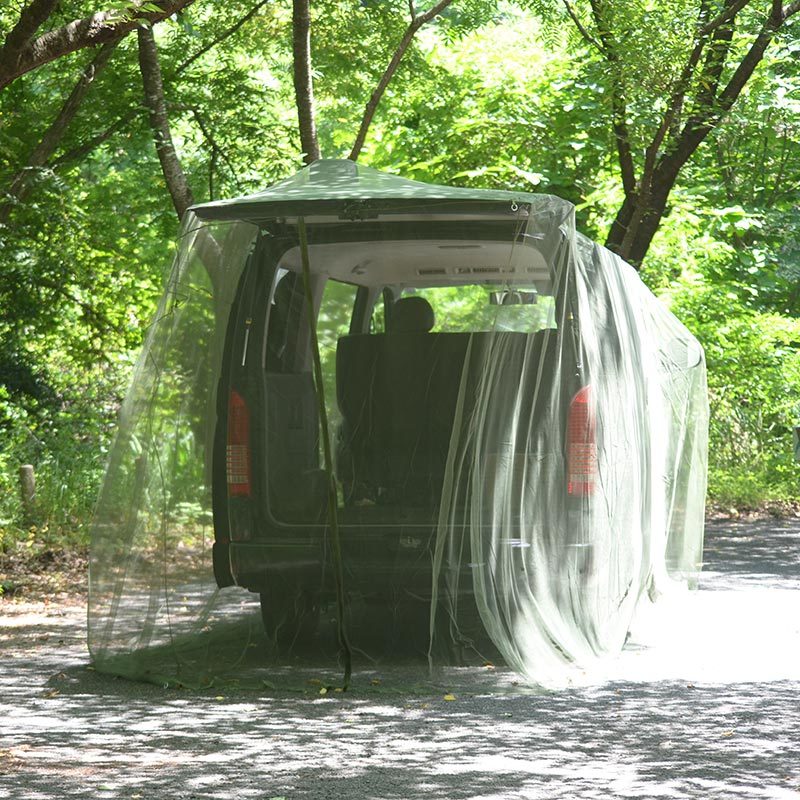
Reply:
x=412, y=315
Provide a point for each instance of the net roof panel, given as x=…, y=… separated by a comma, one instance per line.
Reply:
x=338, y=183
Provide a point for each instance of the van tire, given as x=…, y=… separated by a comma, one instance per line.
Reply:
x=289, y=619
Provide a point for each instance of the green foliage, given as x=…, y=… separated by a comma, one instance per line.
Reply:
x=491, y=94
x=67, y=442
x=753, y=361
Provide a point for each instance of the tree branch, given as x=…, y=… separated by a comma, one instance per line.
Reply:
x=619, y=106
x=77, y=153
x=30, y=20
x=178, y=186
x=20, y=184
x=222, y=37
x=603, y=32
x=97, y=318
x=768, y=198
x=716, y=56
x=369, y=112
x=791, y=10
x=303, y=82
x=70, y=108
x=582, y=28
x=623, y=141
x=83, y=150
x=216, y=150
x=99, y=28
x=671, y=122
x=699, y=125
x=724, y=16
x=741, y=75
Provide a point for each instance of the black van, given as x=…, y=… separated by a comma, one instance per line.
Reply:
x=412, y=313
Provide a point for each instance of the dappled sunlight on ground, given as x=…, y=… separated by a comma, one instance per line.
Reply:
x=708, y=709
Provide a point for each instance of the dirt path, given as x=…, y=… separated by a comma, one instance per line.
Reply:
x=714, y=714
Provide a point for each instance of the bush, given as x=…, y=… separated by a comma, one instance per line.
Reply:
x=67, y=443
x=753, y=360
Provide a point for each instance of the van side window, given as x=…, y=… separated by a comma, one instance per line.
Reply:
x=333, y=322
x=285, y=316
x=381, y=313
x=377, y=322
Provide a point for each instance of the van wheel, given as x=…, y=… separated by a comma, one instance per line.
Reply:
x=289, y=618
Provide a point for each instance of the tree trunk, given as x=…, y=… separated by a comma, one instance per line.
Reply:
x=644, y=211
x=27, y=492
x=303, y=82
x=178, y=186
x=620, y=225
x=206, y=245
x=650, y=218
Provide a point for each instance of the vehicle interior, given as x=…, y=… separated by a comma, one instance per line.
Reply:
x=397, y=321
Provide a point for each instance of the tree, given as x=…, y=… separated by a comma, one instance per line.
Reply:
x=303, y=82
x=690, y=85
x=25, y=49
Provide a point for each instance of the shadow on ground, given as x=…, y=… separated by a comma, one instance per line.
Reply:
x=713, y=713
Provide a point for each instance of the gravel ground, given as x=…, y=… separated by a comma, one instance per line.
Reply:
x=711, y=710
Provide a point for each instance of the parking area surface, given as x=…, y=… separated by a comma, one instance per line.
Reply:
x=711, y=709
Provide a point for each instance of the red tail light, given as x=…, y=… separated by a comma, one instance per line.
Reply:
x=238, y=452
x=581, y=444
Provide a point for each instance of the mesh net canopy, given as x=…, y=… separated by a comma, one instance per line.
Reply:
x=416, y=424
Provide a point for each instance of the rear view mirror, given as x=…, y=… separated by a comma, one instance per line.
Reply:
x=512, y=298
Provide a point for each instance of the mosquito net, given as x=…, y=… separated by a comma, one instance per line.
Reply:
x=380, y=421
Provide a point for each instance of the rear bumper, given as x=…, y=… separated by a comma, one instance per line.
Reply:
x=378, y=566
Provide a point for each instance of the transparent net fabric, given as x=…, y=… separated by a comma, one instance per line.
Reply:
x=558, y=576
x=518, y=428
x=151, y=582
